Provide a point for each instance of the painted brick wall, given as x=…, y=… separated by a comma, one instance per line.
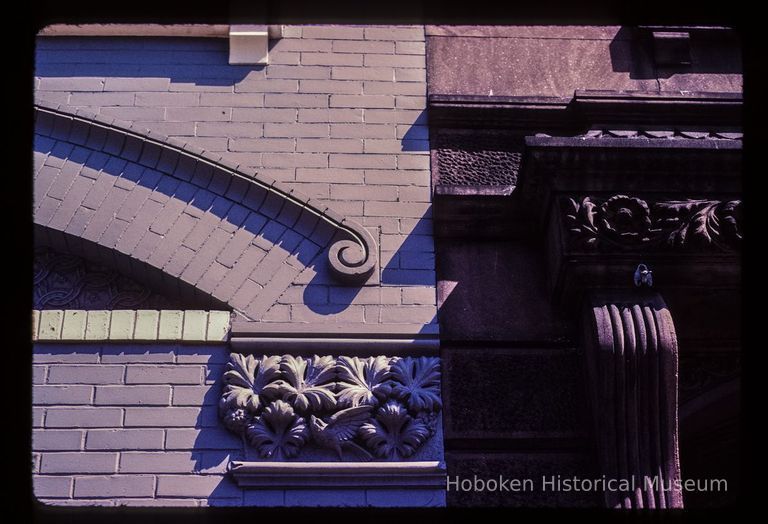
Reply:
x=338, y=113
x=130, y=424
x=136, y=425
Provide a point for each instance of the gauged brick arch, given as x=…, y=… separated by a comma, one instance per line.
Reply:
x=184, y=219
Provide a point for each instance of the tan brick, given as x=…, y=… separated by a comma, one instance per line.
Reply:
x=36, y=321
x=161, y=417
x=171, y=322
x=63, y=395
x=147, y=322
x=410, y=75
x=56, y=440
x=410, y=102
x=53, y=487
x=297, y=130
x=352, y=176
x=195, y=324
x=293, y=72
x=97, y=326
x=121, y=325
x=354, y=192
x=50, y=324
x=408, y=314
x=218, y=326
x=419, y=296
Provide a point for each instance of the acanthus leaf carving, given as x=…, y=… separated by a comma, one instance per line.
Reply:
x=385, y=407
x=622, y=222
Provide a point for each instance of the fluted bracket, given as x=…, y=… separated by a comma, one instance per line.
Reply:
x=632, y=360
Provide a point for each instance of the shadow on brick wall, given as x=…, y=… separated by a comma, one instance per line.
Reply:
x=413, y=263
x=199, y=61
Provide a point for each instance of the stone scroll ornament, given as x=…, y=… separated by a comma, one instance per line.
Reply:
x=625, y=223
x=376, y=407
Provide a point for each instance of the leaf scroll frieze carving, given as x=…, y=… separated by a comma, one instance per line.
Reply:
x=382, y=408
x=626, y=223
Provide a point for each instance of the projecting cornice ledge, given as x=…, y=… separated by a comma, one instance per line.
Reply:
x=336, y=338
x=304, y=475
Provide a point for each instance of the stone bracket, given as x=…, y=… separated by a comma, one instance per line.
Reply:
x=632, y=361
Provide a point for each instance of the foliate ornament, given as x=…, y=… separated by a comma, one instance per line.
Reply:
x=626, y=223
x=340, y=429
x=245, y=381
x=625, y=217
x=307, y=383
x=363, y=381
x=278, y=432
x=416, y=382
x=382, y=406
x=393, y=432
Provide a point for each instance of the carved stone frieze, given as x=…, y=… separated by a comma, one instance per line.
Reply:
x=363, y=408
x=627, y=223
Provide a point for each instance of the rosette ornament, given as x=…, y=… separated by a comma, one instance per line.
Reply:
x=627, y=218
x=393, y=432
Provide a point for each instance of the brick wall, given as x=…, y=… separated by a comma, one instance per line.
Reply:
x=130, y=424
x=338, y=113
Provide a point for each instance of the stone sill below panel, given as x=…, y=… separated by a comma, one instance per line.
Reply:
x=143, y=325
x=327, y=475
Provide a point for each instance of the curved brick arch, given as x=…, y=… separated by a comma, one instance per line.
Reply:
x=179, y=217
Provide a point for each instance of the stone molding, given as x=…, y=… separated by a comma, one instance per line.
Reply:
x=632, y=361
x=360, y=409
x=142, y=325
x=352, y=258
x=307, y=475
x=344, y=338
